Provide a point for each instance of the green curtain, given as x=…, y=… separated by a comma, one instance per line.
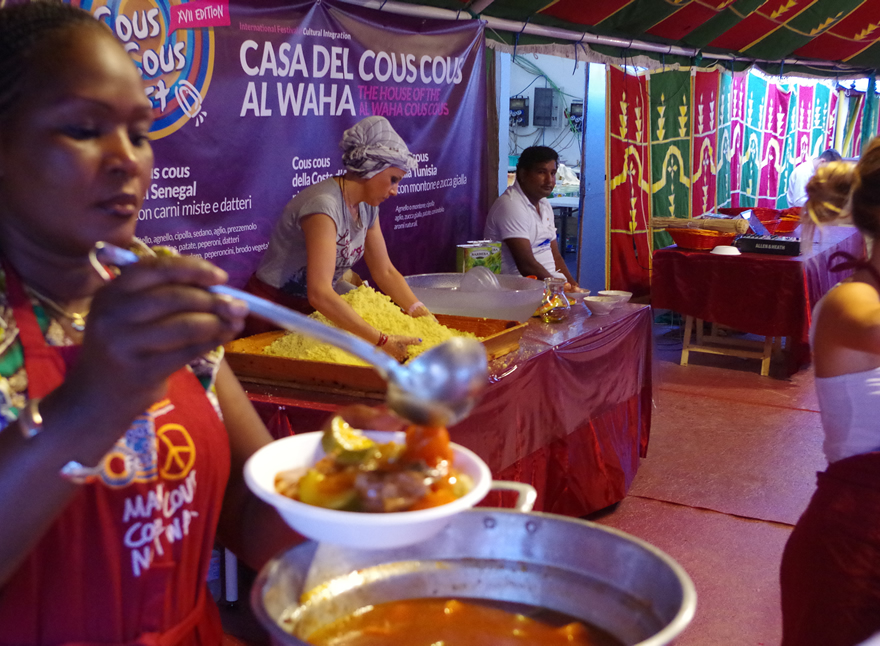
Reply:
x=670, y=109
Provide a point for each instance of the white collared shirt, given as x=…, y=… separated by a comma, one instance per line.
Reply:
x=514, y=216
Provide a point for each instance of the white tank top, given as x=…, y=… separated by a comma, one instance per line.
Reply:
x=850, y=406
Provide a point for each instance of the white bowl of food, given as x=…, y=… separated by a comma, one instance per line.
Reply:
x=358, y=529
x=618, y=294
x=601, y=305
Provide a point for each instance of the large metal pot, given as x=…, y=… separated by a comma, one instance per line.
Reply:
x=599, y=575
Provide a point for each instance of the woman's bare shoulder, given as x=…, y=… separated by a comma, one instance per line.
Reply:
x=850, y=295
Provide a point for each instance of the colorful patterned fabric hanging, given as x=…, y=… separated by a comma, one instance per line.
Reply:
x=738, y=138
x=628, y=186
x=725, y=140
x=772, y=161
x=753, y=140
x=670, y=122
x=826, y=136
x=849, y=136
x=704, y=141
x=797, y=134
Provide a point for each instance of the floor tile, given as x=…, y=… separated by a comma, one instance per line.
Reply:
x=730, y=378
x=733, y=562
x=750, y=460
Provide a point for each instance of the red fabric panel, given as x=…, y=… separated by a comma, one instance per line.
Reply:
x=757, y=293
x=705, y=137
x=585, y=13
x=846, y=38
x=773, y=152
x=830, y=573
x=744, y=33
x=803, y=124
x=629, y=175
x=570, y=412
x=683, y=21
x=589, y=470
x=737, y=134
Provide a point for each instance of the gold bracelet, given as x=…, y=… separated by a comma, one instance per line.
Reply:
x=30, y=421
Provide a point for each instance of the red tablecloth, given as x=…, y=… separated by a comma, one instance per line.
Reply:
x=569, y=412
x=756, y=293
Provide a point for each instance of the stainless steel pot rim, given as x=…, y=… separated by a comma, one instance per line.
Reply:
x=672, y=629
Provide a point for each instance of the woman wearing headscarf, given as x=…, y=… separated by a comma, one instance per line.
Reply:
x=330, y=225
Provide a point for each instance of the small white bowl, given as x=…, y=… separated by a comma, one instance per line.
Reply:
x=577, y=297
x=349, y=528
x=725, y=250
x=621, y=296
x=600, y=305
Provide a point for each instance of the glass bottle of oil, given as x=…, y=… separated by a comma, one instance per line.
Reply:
x=555, y=306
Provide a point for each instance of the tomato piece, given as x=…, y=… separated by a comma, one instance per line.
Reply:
x=428, y=444
x=442, y=491
x=434, y=499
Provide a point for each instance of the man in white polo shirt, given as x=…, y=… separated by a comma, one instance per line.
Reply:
x=522, y=219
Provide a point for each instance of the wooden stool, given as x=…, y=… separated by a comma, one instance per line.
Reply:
x=713, y=343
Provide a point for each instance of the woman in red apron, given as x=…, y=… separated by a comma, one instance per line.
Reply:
x=121, y=441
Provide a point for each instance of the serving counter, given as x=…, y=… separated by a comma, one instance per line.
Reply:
x=568, y=412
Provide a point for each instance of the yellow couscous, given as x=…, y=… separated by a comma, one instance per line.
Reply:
x=378, y=310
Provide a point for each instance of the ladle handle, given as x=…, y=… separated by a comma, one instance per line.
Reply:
x=285, y=318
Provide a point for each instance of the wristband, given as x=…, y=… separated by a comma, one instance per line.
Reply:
x=30, y=421
x=412, y=308
x=383, y=339
x=76, y=473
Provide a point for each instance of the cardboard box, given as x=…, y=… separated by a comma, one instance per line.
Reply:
x=480, y=253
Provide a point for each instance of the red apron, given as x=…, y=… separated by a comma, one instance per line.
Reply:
x=126, y=562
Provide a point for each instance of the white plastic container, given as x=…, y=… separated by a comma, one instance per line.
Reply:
x=516, y=298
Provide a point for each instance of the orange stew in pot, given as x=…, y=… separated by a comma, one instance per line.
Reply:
x=452, y=623
x=358, y=474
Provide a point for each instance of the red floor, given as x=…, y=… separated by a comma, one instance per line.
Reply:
x=731, y=465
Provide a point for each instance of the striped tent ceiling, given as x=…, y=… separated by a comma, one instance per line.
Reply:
x=843, y=31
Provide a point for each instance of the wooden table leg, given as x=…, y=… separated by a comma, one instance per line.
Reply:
x=686, y=342
x=768, y=353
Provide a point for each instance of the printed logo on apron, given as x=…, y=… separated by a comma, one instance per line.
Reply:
x=144, y=454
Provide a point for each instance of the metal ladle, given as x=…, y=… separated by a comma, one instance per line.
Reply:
x=437, y=388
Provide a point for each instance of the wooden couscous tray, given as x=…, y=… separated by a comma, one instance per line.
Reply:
x=245, y=357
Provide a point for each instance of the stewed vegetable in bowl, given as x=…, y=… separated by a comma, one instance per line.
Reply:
x=368, y=489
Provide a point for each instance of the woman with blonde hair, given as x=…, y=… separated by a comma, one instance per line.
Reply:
x=830, y=573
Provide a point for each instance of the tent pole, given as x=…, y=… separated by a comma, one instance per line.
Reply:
x=500, y=24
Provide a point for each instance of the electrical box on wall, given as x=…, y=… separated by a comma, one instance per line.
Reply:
x=547, y=112
x=576, y=115
x=519, y=111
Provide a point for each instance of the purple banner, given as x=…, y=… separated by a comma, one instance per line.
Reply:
x=250, y=114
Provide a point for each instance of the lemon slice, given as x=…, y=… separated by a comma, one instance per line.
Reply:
x=347, y=444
